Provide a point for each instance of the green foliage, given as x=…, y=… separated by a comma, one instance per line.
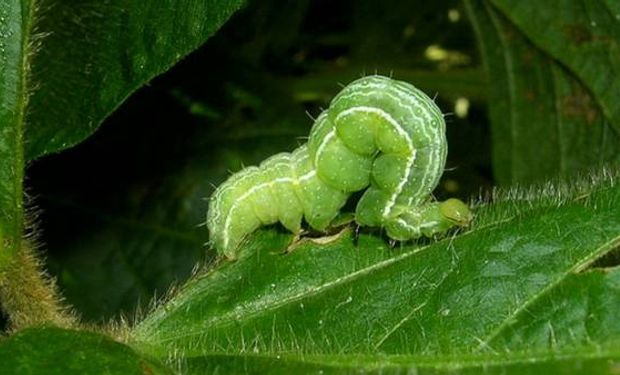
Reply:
x=65, y=68
x=502, y=290
x=49, y=350
x=531, y=287
x=91, y=56
x=554, y=108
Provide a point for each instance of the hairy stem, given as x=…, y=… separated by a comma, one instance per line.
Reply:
x=29, y=296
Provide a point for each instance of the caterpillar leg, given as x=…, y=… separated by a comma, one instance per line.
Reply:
x=295, y=241
x=298, y=240
x=341, y=221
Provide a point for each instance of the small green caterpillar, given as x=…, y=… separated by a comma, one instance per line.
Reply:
x=378, y=134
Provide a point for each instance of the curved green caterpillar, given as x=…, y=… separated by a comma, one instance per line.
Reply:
x=378, y=134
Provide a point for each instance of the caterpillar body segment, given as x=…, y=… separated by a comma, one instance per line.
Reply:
x=284, y=188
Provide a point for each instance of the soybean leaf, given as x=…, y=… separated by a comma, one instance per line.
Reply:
x=519, y=284
x=546, y=118
x=64, y=67
x=88, y=57
x=48, y=350
x=582, y=35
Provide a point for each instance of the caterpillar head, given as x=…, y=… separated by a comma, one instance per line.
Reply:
x=456, y=212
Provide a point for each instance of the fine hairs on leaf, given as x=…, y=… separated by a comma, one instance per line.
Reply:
x=545, y=195
x=121, y=327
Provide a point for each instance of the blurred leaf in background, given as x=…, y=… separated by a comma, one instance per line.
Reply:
x=553, y=96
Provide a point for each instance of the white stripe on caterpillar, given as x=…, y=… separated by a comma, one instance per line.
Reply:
x=387, y=210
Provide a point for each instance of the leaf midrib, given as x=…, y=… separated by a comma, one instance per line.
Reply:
x=607, y=112
x=584, y=263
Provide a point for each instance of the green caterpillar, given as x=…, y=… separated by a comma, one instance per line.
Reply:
x=378, y=134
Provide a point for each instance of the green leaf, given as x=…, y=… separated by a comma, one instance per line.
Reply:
x=48, y=350
x=582, y=36
x=464, y=302
x=583, y=309
x=90, y=56
x=545, y=119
